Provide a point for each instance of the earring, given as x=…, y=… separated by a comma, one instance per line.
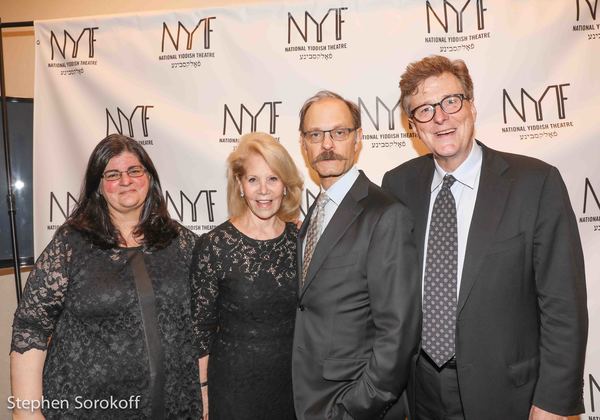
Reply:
x=284, y=191
x=242, y=193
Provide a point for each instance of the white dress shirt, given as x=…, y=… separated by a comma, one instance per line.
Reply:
x=465, y=193
x=336, y=194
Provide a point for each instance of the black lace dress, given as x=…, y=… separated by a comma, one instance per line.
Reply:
x=243, y=308
x=108, y=346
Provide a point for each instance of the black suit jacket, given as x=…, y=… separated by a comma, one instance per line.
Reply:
x=522, y=321
x=358, y=317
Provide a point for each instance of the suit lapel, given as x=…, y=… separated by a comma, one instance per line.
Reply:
x=422, y=192
x=491, y=198
x=343, y=217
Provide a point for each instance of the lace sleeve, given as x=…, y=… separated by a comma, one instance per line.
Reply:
x=204, y=292
x=43, y=297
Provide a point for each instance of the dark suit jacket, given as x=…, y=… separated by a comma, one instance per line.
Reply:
x=522, y=319
x=358, y=318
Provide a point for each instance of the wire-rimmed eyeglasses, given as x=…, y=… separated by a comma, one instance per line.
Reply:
x=115, y=175
x=336, y=134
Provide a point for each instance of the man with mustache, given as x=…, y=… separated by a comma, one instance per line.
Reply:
x=504, y=296
x=358, y=317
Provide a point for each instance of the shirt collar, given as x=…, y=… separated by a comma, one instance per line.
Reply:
x=466, y=173
x=340, y=188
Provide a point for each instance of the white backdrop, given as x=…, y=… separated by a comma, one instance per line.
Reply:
x=187, y=83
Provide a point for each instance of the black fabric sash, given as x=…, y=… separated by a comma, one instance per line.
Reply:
x=147, y=301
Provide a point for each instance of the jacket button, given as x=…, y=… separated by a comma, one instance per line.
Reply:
x=300, y=307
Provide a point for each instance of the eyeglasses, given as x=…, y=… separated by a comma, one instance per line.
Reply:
x=336, y=134
x=133, y=172
x=451, y=104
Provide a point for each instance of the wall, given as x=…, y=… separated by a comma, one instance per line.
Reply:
x=550, y=59
x=8, y=303
x=18, y=42
x=19, y=66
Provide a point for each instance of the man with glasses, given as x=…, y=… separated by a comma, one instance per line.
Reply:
x=358, y=316
x=504, y=296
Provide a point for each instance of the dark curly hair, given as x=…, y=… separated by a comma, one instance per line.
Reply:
x=91, y=216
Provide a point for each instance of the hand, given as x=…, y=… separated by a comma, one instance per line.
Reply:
x=28, y=415
x=537, y=413
x=204, y=391
x=298, y=223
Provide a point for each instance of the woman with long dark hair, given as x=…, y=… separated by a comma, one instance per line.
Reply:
x=103, y=329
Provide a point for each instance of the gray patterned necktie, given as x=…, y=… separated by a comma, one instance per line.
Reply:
x=313, y=233
x=439, y=302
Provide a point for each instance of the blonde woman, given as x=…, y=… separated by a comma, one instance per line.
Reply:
x=244, y=287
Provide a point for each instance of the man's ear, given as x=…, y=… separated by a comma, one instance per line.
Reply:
x=359, y=135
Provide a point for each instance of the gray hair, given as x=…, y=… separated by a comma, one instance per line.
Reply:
x=322, y=94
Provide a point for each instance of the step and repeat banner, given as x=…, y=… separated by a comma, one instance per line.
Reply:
x=187, y=84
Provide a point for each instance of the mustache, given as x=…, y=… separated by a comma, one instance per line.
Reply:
x=328, y=155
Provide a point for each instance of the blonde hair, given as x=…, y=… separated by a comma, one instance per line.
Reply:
x=280, y=162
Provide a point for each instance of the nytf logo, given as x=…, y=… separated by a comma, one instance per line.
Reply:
x=130, y=121
x=244, y=118
x=380, y=123
x=449, y=15
x=189, y=206
x=586, y=9
x=71, y=44
x=309, y=198
x=381, y=115
x=184, y=38
x=591, y=214
x=590, y=198
x=313, y=28
x=525, y=105
x=61, y=205
x=594, y=394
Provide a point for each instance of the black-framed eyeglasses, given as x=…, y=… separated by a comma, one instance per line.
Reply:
x=451, y=104
x=336, y=134
x=115, y=175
